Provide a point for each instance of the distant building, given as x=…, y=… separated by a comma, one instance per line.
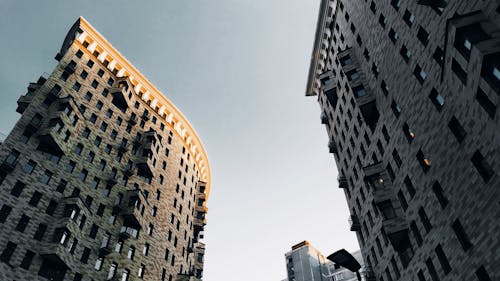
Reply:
x=305, y=263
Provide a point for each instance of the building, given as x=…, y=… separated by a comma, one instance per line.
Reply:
x=102, y=177
x=305, y=263
x=409, y=94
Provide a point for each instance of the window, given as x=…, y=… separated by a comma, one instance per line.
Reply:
x=423, y=36
x=40, y=232
x=17, y=189
x=438, y=191
x=23, y=222
x=402, y=200
x=99, y=105
x=51, y=208
x=393, y=35
x=28, y=258
x=439, y=56
x=432, y=270
x=104, y=127
x=35, y=198
x=98, y=263
x=145, y=249
x=485, y=102
x=100, y=72
x=346, y=60
x=482, y=275
x=4, y=213
x=140, y=273
x=443, y=259
x=125, y=275
x=462, y=237
x=359, y=91
x=382, y=20
x=425, y=163
x=387, y=210
x=468, y=35
x=437, y=99
x=459, y=71
x=395, y=109
x=112, y=271
x=29, y=167
x=416, y=233
x=88, y=96
x=352, y=75
x=79, y=54
x=482, y=166
x=77, y=86
x=93, y=231
x=409, y=134
x=396, y=4
x=70, y=167
x=90, y=63
x=8, y=251
x=85, y=255
x=97, y=141
x=425, y=220
x=93, y=118
x=130, y=253
x=420, y=74
x=408, y=18
x=47, y=175
x=405, y=53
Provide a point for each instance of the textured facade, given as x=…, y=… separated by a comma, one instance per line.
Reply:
x=409, y=94
x=305, y=263
x=102, y=177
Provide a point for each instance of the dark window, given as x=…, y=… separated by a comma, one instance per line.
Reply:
x=486, y=103
x=420, y=276
x=393, y=35
x=439, y=56
x=28, y=258
x=77, y=86
x=462, y=237
x=416, y=233
x=423, y=36
x=35, y=198
x=100, y=72
x=432, y=269
x=424, y=162
x=4, y=213
x=90, y=63
x=52, y=270
x=93, y=231
x=397, y=158
x=17, y=189
x=468, y=35
x=409, y=134
x=85, y=255
x=482, y=166
x=396, y=4
x=443, y=259
x=79, y=54
x=405, y=53
x=23, y=222
x=408, y=18
x=437, y=99
x=459, y=71
x=438, y=191
x=395, y=109
x=8, y=251
x=482, y=274
x=490, y=71
x=40, y=232
x=457, y=129
x=382, y=20
x=387, y=210
x=425, y=220
x=420, y=74
x=29, y=167
x=51, y=208
x=402, y=200
x=359, y=91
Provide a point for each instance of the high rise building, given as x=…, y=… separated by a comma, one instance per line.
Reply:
x=305, y=263
x=102, y=177
x=409, y=94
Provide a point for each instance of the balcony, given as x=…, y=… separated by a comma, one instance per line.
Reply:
x=122, y=148
x=342, y=182
x=70, y=68
x=111, y=181
x=133, y=120
x=129, y=209
x=33, y=126
x=354, y=223
x=332, y=147
x=145, y=165
x=120, y=101
x=49, y=142
x=128, y=232
x=23, y=102
x=397, y=232
x=324, y=118
x=145, y=116
x=54, y=266
x=105, y=250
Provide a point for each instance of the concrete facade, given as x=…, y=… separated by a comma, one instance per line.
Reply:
x=102, y=178
x=409, y=94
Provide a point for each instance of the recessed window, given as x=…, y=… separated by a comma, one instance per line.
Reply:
x=359, y=91
x=405, y=53
x=77, y=86
x=424, y=219
x=393, y=35
x=402, y=200
x=396, y=4
x=439, y=56
x=423, y=36
x=408, y=18
x=457, y=129
x=84, y=74
x=462, y=237
x=384, y=88
x=27, y=259
x=432, y=269
x=438, y=191
x=482, y=166
x=437, y=99
x=366, y=54
x=7, y=252
x=486, y=103
x=90, y=63
x=459, y=71
x=409, y=134
x=395, y=109
x=424, y=162
x=352, y=75
x=481, y=273
x=100, y=72
x=467, y=36
x=397, y=158
x=416, y=233
x=17, y=189
x=443, y=259
x=383, y=21
x=387, y=209
x=420, y=74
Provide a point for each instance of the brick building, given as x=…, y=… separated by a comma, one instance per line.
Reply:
x=409, y=94
x=102, y=177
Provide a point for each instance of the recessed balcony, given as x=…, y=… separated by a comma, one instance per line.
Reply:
x=105, y=250
x=24, y=101
x=397, y=231
x=133, y=120
x=332, y=147
x=354, y=223
x=342, y=181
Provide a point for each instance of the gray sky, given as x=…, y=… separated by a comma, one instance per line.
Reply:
x=237, y=69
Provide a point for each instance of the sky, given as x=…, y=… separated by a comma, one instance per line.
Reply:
x=237, y=69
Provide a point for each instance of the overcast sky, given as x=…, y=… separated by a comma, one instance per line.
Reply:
x=237, y=69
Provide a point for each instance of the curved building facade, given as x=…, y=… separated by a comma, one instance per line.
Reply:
x=102, y=178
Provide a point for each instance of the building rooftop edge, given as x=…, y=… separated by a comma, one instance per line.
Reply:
x=183, y=128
